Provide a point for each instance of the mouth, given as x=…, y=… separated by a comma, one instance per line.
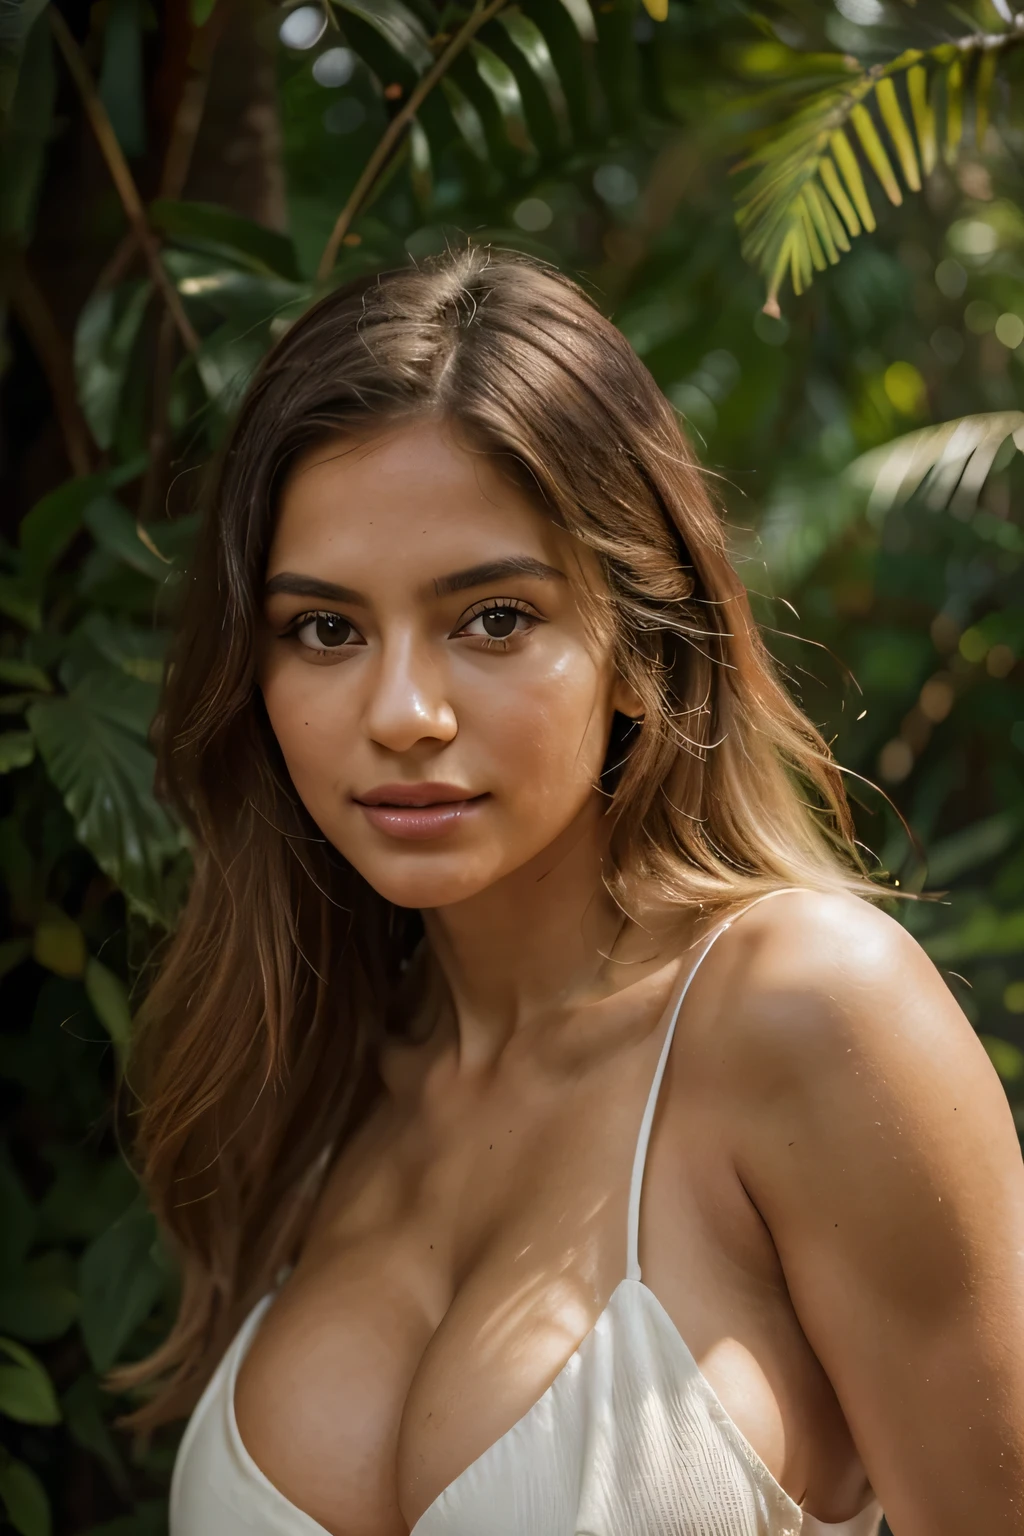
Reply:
x=418, y=811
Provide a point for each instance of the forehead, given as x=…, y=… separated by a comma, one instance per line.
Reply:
x=419, y=497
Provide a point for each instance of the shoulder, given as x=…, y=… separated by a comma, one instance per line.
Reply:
x=873, y=1137
x=809, y=980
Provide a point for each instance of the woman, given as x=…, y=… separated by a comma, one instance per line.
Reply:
x=521, y=886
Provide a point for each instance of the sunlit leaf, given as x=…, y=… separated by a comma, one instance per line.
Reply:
x=899, y=133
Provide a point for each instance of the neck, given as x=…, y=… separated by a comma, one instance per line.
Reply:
x=544, y=938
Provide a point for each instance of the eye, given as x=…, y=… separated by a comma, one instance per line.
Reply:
x=500, y=621
x=321, y=632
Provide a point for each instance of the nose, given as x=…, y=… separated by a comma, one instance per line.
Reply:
x=408, y=701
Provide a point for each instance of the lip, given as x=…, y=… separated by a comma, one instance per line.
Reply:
x=418, y=811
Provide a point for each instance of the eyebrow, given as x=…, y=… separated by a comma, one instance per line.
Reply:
x=296, y=585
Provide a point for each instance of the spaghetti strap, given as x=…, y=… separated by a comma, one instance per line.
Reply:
x=640, y=1156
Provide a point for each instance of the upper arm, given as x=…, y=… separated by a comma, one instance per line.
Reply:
x=879, y=1148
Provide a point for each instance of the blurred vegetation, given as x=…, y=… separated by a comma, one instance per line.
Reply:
x=175, y=186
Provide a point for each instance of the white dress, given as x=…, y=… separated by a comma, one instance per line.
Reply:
x=628, y=1440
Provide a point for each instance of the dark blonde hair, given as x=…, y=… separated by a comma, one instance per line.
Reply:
x=258, y=1042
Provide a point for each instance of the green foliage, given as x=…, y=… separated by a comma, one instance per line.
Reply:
x=868, y=442
x=809, y=198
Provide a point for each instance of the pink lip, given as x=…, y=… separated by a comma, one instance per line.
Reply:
x=417, y=811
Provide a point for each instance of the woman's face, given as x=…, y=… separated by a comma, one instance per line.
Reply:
x=425, y=664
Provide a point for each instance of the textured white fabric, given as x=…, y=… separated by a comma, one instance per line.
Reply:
x=628, y=1440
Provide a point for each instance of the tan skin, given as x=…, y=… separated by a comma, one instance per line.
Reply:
x=833, y=1210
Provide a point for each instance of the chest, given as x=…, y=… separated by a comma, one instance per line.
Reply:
x=459, y=1262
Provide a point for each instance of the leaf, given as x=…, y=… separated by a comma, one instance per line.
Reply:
x=875, y=151
x=983, y=95
x=504, y=87
x=657, y=9
x=18, y=601
x=26, y=1391
x=398, y=26
x=59, y=945
x=27, y=130
x=847, y=163
x=105, y=337
x=923, y=115
x=954, y=109
x=120, y=83
x=50, y=525
x=120, y=1282
x=115, y=530
x=946, y=463
x=899, y=133
x=107, y=994
x=24, y=674
x=834, y=188
x=24, y=1498
x=17, y=749
x=802, y=200
x=136, y=651
x=92, y=745
x=200, y=11
x=211, y=228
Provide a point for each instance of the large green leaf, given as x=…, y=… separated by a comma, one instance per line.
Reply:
x=116, y=531
x=24, y=1498
x=49, y=526
x=121, y=1278
x=26, y=1391
x=106, y=335
x=92, y=742
x=222, y=233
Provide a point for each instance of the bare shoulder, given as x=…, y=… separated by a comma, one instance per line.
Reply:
x=813, y=979
x=874, y=1138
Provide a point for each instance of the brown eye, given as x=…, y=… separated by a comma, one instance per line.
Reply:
x=324, y=631
x=499, y=623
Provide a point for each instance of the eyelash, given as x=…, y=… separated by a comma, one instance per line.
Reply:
x=490, y=642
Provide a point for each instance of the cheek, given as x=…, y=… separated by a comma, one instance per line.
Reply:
x=314, y=726
x=546, y=727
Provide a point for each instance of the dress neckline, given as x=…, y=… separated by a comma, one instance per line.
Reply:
x=632, y=1278
x=312, y=1527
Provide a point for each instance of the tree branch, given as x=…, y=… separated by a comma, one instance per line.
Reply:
x=394, y=131
x=121, y=176
x=34, y=313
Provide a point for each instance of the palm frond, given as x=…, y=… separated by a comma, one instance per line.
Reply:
x=884, y=125
x=947, y=465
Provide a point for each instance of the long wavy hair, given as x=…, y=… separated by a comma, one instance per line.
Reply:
x=256, y=1053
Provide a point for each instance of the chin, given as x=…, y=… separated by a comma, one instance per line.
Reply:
x=425, y=887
